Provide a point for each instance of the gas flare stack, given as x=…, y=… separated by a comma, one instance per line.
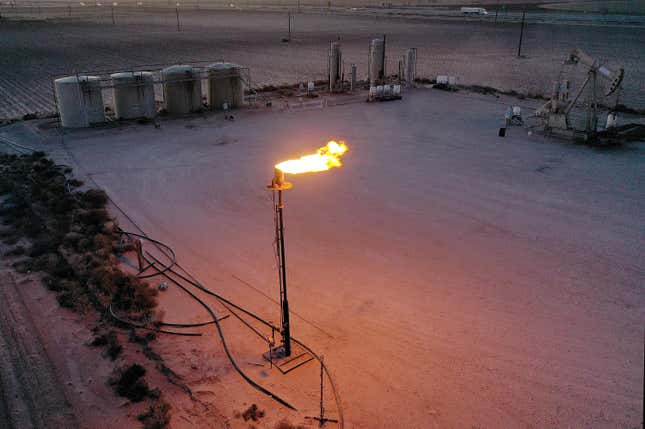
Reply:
x=324, y=159
x=277, y=185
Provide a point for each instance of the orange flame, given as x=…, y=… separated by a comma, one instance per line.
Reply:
x=325, y=158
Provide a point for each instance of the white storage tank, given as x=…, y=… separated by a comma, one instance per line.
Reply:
x=80, y=101
x=377, y=61
x=182, y=89
x=225, y=86
x=134, y=95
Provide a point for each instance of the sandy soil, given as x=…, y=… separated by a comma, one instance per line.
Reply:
x=451, y=278
x=475, y=52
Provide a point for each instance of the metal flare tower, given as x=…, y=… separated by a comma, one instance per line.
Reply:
x=277, y=185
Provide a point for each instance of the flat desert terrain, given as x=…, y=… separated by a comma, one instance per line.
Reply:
x=475, y=51
x=451, y=278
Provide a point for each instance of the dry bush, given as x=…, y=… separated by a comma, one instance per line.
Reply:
x=110, y=341
x=72, y=237
x=129, y=383
x=157, y=416
x=253, y=413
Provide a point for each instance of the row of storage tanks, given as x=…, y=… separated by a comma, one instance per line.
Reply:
x=80, y=98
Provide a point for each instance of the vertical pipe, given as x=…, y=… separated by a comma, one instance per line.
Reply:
x=382, y=72
x=519, y=47
x=412, y=66
x=330, y=66
x=592, y=122
x=286, y=331
x=369, y=64
x=334, y=66
x=322, y=403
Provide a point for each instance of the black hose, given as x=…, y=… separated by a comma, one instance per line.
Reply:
x=168, y=269
x=206, y=290
x=341, y=420
x=190, y=325
x=223, y=340
x=139, y=326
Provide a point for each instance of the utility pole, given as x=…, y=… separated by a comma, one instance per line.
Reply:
x=177, y=13
x=289, y=13
x=519, y=47
x=113, y=20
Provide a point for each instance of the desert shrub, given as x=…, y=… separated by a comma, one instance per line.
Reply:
x=72, y=236
x=110, y=341
x=73, y=296
x=23, y=266
x=482, y=89
x=253, y=413
x=16, y=251
x=157, y=416
x=71, y=239
x=93, y=219
x=10, y=240
x=94, y=199
x=130, y=384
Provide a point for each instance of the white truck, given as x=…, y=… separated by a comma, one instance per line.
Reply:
x=474, y=11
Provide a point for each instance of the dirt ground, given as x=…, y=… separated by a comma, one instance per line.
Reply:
x=451, y=278
x=49, y=377
x=476, y=52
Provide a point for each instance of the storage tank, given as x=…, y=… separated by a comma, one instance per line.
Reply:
x=182, y=89
x=134, y=95
x=225, y=86
x=80, y=101
x=377, y=61
x=335, y=66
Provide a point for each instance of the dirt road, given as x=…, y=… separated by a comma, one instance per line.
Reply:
x=31, y=392
x=49, y=376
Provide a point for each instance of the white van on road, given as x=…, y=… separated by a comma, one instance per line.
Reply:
x=474, y=11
